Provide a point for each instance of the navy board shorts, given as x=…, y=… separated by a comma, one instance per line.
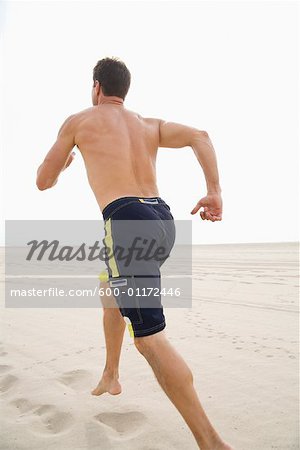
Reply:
x=139, y=236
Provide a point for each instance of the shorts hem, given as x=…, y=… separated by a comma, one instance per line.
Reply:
x=149, y=331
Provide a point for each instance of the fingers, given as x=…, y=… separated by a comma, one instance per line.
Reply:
x=198, y=206
x=70, y=159
x=195, y=209
x=205, y=215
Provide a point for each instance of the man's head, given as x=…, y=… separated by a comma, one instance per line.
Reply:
x=111, y=78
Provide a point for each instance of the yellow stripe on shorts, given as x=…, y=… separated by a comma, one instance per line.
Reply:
x=129, y=325
x=108, y=240
x=103, y=276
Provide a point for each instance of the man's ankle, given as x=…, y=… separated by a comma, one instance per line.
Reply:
x=217, y=444
x=214, y=442
x=111, y=372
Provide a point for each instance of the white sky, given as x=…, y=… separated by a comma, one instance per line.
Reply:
x=229, y=68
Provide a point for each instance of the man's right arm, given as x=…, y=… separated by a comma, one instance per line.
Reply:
x=175, y=135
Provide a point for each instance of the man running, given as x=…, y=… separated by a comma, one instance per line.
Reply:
x=119, y=148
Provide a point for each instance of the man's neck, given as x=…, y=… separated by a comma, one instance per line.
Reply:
x=110, y=99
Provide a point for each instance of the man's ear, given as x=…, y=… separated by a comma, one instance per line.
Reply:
x=97, y=87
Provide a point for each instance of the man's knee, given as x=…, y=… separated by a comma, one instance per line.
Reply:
x=147, y=344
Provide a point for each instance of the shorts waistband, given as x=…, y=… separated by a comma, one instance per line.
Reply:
x=108, y=209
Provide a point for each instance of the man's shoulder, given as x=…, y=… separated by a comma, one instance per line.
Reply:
x=83, y=113
x=148, y=120
x=79, y=117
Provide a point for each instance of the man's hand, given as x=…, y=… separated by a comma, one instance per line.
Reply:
x=212, y=204
x=70, y=159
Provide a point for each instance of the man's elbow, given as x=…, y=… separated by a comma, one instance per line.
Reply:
x=199, y=135
x=204, y=134
x=42, y=185
x=45, y=178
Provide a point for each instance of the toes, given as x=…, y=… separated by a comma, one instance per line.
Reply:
x=97, y=391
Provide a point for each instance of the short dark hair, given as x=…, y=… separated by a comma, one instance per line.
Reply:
x=113, y=76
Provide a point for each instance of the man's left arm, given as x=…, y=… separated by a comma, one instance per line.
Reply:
x=59, y=156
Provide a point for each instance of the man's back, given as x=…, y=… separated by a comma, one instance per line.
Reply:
x=119, y=148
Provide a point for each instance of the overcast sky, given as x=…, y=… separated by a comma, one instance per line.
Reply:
x=229, y=68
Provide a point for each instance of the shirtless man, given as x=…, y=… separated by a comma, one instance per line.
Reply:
x=119, y=148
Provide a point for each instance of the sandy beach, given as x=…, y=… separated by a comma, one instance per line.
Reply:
x=239, y=338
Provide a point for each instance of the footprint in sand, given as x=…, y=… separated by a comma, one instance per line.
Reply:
x=21, y=405
x=45, y=419
x=97, y=440
x=78, y=379
x=5, y=368
x=7, y=382
x=51, y=420
x=124, y=424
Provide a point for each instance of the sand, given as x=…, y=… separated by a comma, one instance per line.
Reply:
x=239, y=338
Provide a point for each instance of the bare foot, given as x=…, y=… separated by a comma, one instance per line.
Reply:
x=220, y=445
x=107, y=384
x=224, y=446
